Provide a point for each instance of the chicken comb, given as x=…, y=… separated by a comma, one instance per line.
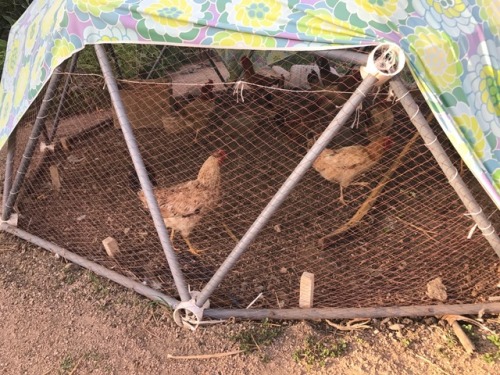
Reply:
x=220, y=154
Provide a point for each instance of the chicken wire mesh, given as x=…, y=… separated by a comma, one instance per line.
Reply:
x=184, y=105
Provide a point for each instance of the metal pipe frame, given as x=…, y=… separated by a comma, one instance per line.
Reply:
x=92, y=266
x=157, y=61
x=347, y=110
x=9, y=167
x=112, y=52
x=451, y=173
x=214, y=66
x=354, y=312
x=71, y=70
x=135, y=154
x=32, y=142
x=345, y=56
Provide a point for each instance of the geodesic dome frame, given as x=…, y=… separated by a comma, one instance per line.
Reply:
x=194, y=305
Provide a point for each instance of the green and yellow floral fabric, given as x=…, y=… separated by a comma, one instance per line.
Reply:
x=453, y=48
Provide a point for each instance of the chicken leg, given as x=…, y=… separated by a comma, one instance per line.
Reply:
x=172, y=235
x=192, y=250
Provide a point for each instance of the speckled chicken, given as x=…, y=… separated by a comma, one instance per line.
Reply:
x=345, y=164
x=183, y=206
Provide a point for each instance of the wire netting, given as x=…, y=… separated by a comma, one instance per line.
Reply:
x=414, y=231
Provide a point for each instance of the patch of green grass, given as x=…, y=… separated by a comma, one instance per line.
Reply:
x=495, y=356
x=316, y=352
x=257, y=337
x=67, y=364
x=406, y=342
x=70, y=275
x=99, y=284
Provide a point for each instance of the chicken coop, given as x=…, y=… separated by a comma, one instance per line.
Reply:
x=282, y=179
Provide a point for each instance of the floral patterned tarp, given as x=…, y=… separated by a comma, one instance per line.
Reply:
x=453, y=48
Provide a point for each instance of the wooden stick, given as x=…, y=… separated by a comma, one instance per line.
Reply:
x=424, y=231
x=54, y=176
x=463, y=338
x=306, y=296
x=204, y=356
x=429, y=362
x=352, y=325
x=372, y=198
x=76, y=366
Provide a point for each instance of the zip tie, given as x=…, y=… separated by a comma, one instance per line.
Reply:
x=489, y=234
x=455, y=176
x=483, y=229
x=361, y=92
x=406, y=93
x=475, y=213
x=416, y=113
x=430, y=143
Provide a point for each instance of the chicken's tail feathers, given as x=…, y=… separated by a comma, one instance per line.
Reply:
x=134, y=182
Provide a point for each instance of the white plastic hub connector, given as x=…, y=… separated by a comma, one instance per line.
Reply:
x=384, y=62
x=187, y=314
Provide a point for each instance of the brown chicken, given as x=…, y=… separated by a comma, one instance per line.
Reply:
x=258, y=83
x=344, y=165
x=183, y=206
x=196, y=113
x=382, y=119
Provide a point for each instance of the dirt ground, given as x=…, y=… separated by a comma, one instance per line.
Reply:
x=56, y=318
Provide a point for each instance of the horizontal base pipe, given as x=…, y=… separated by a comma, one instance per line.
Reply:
x=345, y=56
x=92, y=266
x=355, y=312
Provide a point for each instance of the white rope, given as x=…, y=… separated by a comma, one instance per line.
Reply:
x=401, y=98
x=430, y=143
x=483, y=229
x=475, y=213
x=455, y=176
x=239, y=87
x=415, y=115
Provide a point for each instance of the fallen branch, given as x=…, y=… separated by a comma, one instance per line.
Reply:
x=461, y=335
x=426, y=232
x=204, y=356
x=351, y=325
x=372, y=198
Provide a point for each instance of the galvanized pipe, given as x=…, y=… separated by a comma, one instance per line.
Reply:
x=112, y=52
x=9, y=168
x=133, y=148
x=32, y=142
x=354, y=312
x=94, y=267
x=287, y=187
x=157, y=61
x=451, y=173
x=71, y=70
x=345, y=56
